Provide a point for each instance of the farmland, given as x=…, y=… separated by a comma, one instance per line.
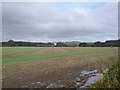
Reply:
x=26, y=65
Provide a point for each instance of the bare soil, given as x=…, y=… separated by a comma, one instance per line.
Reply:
x=66, y=69
x=66, y=75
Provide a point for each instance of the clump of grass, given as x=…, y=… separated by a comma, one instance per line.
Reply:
x=111, y=78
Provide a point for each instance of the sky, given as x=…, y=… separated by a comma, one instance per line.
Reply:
x=56, y=21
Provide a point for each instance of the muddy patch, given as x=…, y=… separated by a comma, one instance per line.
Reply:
x=61, y=77
x=85, y=80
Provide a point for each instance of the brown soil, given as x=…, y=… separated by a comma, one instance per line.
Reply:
x=54, y=50
x=21, y=54
x=66, y=74
x=65, y=69
x=59, y=62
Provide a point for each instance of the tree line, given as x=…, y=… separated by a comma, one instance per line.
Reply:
x=108, y=43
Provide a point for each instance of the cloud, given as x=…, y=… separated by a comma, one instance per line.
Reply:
x=41, y=22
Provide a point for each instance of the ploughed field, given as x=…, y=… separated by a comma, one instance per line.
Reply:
x=49, y=67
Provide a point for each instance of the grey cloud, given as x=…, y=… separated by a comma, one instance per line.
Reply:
x=41, y=22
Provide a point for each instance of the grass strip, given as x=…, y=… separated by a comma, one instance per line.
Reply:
x=49, y=56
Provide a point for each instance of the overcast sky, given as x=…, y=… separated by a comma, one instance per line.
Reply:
x=60, y=21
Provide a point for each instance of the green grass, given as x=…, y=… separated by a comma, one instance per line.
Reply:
x=111, y=78
x=100, y=58
x=35, y=56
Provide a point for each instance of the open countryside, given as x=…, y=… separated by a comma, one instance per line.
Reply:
x=68, y=45
x=27, y=65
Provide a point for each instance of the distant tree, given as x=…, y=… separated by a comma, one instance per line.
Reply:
x=99, y=44
x=112, y=43
x=10, y=43
x=118, y=43
x=83, y=44
x=0, y=44
x=109, y=43
x=60, y=44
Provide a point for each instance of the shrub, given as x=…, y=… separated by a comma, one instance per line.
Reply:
x=111, y=78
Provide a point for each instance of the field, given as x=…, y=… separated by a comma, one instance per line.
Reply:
x=23, y=66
